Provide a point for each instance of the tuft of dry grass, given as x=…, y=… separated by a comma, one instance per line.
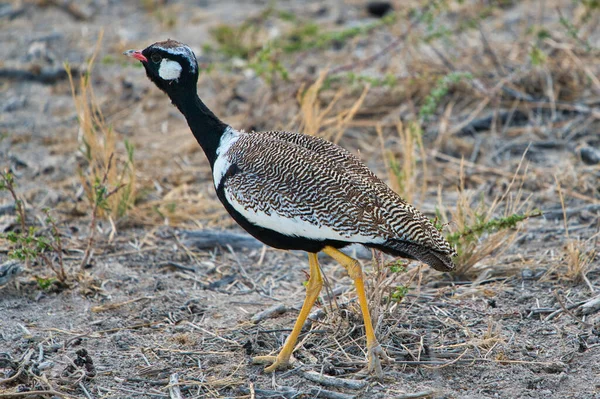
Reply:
x=329, y=122
x=99, y=145
x=577, y=255
x=403, y=175
x=479, y=229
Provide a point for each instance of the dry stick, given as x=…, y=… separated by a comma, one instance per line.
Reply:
x=174, y=390
x=330, y=381
x=31, y=393
x=559, y=311
x=416, y=395
x=591, y=306
x=111, y=306
x=268, y=313
x=85, y=391
x=568, y=311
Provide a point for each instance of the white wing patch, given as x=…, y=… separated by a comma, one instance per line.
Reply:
x=222, y=161
x=169, y=69
x=296, y=227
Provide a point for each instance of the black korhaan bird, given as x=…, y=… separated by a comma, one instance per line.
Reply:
x=293, y=191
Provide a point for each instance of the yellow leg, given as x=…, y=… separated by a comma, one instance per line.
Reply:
x=315, y=282
x=374, y=350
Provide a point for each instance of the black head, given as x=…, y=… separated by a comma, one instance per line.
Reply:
x=171, y=65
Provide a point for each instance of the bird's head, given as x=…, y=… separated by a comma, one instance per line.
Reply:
x=171, y=65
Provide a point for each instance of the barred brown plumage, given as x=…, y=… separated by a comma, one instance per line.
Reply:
x=329, y=187
x=293, y=191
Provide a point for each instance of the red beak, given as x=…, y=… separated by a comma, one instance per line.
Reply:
x=137, y=54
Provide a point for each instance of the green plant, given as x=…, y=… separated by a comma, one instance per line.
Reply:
x=480, y=228
x=537, y=56
x=439, y=91
x=573, y=31
x=399, y=293
x=29, y=244
x=398, y=266
x=482, y=225
x=266, y=64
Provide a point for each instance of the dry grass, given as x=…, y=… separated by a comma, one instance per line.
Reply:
x=578, y=255
x=98, y=143
x=404, y=175
x=480, y=228
x=328, y=122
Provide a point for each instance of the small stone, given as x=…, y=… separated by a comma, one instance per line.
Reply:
x=379, y=8
x=590, y=155
x=527, y=274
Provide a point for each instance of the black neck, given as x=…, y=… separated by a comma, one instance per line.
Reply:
x=205, y=125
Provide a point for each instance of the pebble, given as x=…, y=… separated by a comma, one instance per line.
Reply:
x=379, y=8
x=590, y=155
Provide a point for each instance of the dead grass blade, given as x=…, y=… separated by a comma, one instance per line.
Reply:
x=98, y=144
x=329, y=123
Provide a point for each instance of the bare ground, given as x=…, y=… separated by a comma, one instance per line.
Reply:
x=149, y=306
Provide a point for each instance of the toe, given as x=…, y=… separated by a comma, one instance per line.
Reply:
x=375, y=355
x=276, y=362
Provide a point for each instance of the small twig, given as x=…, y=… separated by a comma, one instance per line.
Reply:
x=57, y=247
x=111, y=306
x=32, y=393
x=270, y=312
x=568, y=311
x=85, y=391
x=559, y=311
x=416, y=395
x=14, y=377
x=334, y=382
x=591, y=306
x=229, y=341
x=174, y=391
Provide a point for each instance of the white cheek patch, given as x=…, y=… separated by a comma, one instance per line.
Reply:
x=169, y=70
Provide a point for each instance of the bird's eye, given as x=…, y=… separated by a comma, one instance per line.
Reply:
x=156, y=58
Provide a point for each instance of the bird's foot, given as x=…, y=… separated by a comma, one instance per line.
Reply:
x=376, y=354
x=277, y=362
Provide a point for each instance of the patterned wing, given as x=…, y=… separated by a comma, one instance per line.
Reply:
x=301, y=191
x=331, y=151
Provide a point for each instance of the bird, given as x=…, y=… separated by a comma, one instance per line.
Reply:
x=298, y=192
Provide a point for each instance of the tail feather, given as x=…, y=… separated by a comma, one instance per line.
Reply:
x=439, y=261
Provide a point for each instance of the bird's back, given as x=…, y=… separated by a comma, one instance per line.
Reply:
x=303, y=186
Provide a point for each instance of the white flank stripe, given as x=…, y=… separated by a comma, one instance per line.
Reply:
x=296, y=227
x=222, y=162
x=169, y=69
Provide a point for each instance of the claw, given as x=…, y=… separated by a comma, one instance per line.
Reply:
x=276, y=362
x=376, y=354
